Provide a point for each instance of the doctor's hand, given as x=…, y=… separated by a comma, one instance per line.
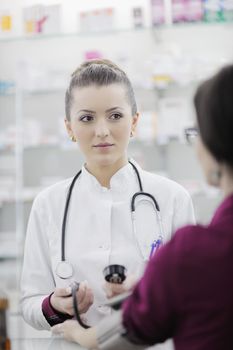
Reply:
x=62, y=301
x=114, y=289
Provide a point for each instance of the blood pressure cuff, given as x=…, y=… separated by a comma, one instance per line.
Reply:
x=111, y=334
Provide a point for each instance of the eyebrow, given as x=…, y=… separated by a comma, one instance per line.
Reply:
x=113, y=109
x=86, y=111
x=93, y=112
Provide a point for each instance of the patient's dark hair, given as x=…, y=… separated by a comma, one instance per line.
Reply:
x=214, y=108
x=101, y=73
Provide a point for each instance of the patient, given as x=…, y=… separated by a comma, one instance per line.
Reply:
x=186, y=292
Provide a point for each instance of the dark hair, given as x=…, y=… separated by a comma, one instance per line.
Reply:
x=99, y=72
x=214, y=108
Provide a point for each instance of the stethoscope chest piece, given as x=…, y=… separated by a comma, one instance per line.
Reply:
x=115, y=273
x=64, y=270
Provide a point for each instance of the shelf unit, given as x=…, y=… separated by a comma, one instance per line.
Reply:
x=47, y=61
x=111, y=32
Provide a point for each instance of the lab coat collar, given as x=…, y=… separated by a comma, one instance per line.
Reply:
x=119, y=182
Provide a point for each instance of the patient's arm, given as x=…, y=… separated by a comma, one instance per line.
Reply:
x=109, y=334
x=72, y=331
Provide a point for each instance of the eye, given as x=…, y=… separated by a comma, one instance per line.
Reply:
x=86, y=118
x=115, y=116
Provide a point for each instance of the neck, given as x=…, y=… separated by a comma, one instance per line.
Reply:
x=104, y=173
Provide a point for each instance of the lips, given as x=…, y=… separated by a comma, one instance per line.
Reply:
x=103, y=145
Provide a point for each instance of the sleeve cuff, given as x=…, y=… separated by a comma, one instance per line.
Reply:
x=53, y=316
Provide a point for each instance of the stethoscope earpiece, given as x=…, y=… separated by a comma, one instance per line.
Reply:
x=115, y=273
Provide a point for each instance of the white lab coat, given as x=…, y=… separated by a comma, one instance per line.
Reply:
x=98, y=233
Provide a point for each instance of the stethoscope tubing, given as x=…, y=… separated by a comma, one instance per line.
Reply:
x=65, y=215
x=145, y=194
x=75, y=286
x=74, y=289
x=132, y=205
x=159, y=220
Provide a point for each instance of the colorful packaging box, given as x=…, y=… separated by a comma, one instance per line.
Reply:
x=157, y=12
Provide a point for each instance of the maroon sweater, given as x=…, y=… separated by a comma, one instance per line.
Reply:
x=186, y=292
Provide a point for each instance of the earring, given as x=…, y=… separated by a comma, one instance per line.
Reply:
x=131, y=134
x=73, y=139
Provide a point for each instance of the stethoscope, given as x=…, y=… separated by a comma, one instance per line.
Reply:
x=64, y=269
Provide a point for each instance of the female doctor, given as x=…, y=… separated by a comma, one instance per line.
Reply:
x=79, y=226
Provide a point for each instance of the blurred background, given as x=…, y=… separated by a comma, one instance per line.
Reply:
x=166, y=47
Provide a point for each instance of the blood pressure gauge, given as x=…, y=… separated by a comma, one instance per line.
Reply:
x=115, y=274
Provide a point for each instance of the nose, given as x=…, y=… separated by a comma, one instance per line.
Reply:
x=102, y=129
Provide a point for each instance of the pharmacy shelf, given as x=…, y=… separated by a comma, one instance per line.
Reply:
x=68, y=146
x=28, y=194
x=8, y=247
x=153, y=86
x=111, y=32
x=6, y=148
x=34, y=92
x=62, y=145
x=73, y=34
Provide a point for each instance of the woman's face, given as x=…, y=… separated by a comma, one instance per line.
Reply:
x=101, y=121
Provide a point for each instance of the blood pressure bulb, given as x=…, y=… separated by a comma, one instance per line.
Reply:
x=115, y=273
